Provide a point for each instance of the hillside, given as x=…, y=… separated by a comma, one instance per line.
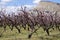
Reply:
x=50, y=6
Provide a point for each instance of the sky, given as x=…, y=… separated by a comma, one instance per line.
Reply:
x=22, y=2
x=12, y=4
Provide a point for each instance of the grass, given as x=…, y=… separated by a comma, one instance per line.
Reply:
x=41, y=35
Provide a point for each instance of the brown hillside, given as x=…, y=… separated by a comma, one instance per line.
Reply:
x=50, y=6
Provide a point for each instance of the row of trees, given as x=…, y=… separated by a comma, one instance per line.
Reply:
x=33, y=18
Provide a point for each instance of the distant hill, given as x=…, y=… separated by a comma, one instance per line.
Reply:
x=47, y=5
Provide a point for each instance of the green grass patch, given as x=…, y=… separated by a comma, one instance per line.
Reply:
x=40, y=35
